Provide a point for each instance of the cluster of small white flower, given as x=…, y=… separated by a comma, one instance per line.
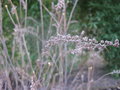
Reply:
x=115, y=72
x=81, y=43
x=60, y=5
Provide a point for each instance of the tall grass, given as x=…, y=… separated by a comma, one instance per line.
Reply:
x=56, y=52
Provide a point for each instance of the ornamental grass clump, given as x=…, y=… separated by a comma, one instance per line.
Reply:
x=46, y=57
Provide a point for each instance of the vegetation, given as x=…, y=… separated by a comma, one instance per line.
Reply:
x=49, y=44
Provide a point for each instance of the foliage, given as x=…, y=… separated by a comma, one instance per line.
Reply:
x=105, y=15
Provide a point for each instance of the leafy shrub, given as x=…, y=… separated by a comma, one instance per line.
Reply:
x=101, y=19
x=107, y=19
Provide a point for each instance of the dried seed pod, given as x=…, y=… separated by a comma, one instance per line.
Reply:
x=60, y=5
